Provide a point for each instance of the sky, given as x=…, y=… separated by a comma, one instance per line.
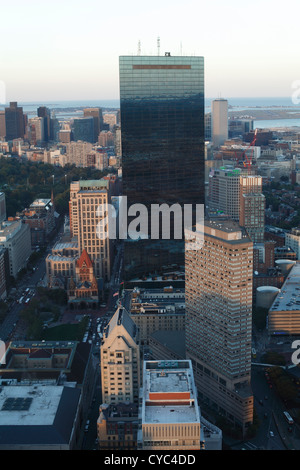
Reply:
x=69, y=50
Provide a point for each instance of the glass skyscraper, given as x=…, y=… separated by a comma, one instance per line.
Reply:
x=162, y=125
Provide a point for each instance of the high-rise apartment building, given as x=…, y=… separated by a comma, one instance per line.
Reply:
x=88, y=205
x=14, y=121
x=162, y=119
x=120, y=360
x=219, y=110
x=219, y=274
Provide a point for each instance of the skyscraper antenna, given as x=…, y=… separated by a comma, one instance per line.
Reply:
x=180, y=48
x=158, y=45
x=139, y=48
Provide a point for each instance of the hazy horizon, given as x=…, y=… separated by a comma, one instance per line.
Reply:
x=70, y=50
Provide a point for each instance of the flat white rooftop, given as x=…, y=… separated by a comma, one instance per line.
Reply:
x=171, y=414
x=29, y=405
x=168, y=381
x=288, y=299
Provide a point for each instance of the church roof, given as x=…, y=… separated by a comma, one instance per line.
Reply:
x=84, y=259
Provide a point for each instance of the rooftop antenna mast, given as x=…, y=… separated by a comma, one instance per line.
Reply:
x=158, y=45
x=139, y=48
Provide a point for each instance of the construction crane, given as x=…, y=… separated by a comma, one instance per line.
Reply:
x=248, y=161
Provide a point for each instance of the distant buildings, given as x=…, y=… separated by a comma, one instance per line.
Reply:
x=120, y=360
x=83, y=129
x=219, y=272
x=96, y=114
x=36, y=131
x=44, y=113
x=219, y=117
x=14, y=121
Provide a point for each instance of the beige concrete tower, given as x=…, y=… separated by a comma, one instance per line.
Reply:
x=219, y=272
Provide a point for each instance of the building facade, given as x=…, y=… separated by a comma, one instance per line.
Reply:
x=15, y=236
x=87, y=222
x=120, y=360
x=162, y=119
x=219, y=116
x=219, y=272
x=14, y=121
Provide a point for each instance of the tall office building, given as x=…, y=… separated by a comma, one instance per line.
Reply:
x=44, y=113
x=219, y=276
x=96, y=114
x=120, y=360
x=162, y=119
x=219, y=121
x=252, y=207
x=87, y=222
x=239, y=195
x=36, y=130
x=2, y=125
x=224, y=191
x=14, y=121
x=83, y=129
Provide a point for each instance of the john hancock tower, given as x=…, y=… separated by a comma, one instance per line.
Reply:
x=162, y=124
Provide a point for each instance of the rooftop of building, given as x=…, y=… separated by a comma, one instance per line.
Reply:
x=288, y=299
x=9, y=229
x=169, y=393
x=37, y=414
x=41, y=203
x=172, y=340
x=77, y=359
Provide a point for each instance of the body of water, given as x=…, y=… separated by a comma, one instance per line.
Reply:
x=276, y=123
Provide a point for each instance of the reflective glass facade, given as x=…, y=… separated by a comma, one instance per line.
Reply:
x=162, y=124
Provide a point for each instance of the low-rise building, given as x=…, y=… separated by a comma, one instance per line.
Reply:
x=117, y=427
x=156, y=309
x=15, y=236
x=284, y=314
x=169, y=411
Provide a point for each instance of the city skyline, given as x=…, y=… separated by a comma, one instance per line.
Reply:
x=72, y=50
